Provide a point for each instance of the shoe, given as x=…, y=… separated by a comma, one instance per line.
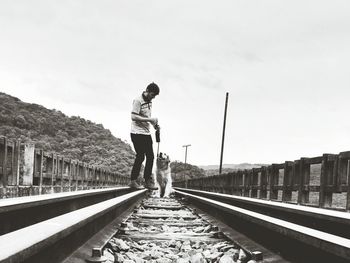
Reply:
x=150, y=185
x=134, y=185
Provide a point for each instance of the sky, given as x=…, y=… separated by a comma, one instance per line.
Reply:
x=285, y=65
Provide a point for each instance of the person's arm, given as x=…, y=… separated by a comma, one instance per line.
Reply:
x=135, y=114
x=136, y=117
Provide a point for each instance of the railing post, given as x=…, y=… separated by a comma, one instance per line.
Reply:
x=98, y=178
x=94, y=177
x=247, y=180
x=326, y=181
x=104, y=178
x=69, y=174
x=233, y=183
x=17, y=161
x=287, y=182
x=89, y=177
x=100, y=175
x=83, y=179
x=296, y=179
x=77, y=175
x=272, y=171
x=240, y=185
x=209, y=183
x=119, y=179
x=348, y=186
x=62, y=174
x=40, y=166
x=75, y=171
x=55, y=170
x=254, y=182
x=343, y=176
x=4, y=164
x=224, y=183
x=28, y=164
x=65, y=169
x=324, y=199
x=52, y=166
x=12, y=175
x=217, y=184
x=304, y=181
x=263, y=183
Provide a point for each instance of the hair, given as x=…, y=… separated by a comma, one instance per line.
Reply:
x=153, y=87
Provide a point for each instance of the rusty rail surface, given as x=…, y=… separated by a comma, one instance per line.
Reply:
x=25, y=171
x=321, y=181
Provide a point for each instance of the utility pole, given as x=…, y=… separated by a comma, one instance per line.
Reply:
x=223, y=134
x=186, y=146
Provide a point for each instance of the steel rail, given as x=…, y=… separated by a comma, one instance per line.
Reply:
x=16, y=213
x=325, y=220
x=289, y=238
x=51, y=240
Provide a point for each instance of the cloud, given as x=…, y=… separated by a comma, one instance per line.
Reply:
x=285, y=64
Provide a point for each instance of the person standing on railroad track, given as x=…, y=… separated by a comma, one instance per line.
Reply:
x=141, y=138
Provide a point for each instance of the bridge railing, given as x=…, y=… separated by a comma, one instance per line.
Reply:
x=25, y=170
x=319, y=182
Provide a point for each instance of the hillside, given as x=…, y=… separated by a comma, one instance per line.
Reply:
x=71, y=137
x=181, y=171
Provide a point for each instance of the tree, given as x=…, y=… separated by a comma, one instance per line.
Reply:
x=71, y=137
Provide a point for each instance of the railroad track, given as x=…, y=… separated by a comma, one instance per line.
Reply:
x=164, y=230
x=134, y=227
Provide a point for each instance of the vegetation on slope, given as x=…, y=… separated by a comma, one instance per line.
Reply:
x=71, y=137
x=181, y=171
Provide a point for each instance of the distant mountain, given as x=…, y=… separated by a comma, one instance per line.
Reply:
x=228, y=168
x=70, y=137
x=240, y=166
x=181, y=171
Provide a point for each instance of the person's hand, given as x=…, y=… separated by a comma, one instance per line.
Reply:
x=154, y=121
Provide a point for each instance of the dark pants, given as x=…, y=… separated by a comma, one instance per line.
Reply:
x=144, y=148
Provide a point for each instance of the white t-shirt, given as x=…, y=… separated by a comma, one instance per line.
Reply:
x=142, y=108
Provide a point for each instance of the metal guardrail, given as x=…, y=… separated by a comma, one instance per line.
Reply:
x=26, y=171
x=319, y=181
